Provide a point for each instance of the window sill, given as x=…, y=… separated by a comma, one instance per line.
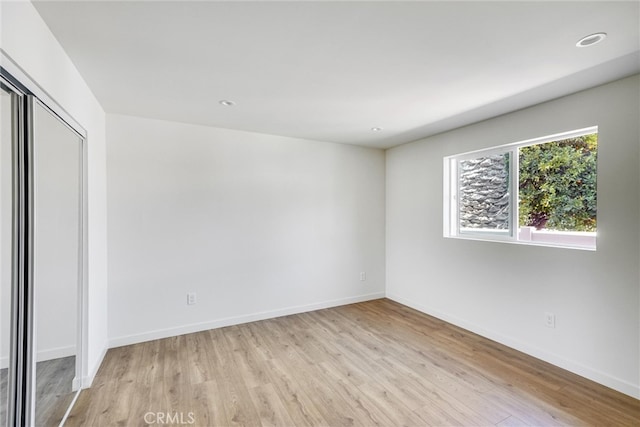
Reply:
x=531, y=237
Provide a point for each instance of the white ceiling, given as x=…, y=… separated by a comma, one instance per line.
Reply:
x=331, y=71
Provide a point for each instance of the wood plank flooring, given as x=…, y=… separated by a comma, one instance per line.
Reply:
x=53, y=390
x=376, y=363
x=4, y=385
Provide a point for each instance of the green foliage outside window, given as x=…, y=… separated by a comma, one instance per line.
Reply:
x=558, y=184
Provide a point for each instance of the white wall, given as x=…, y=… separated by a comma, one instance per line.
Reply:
x=28, y=41
x=500, y=290
x=256, y=225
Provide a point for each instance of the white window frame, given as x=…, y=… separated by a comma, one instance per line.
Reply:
x=451, y=222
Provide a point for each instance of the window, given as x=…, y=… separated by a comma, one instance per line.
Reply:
x=540, y=191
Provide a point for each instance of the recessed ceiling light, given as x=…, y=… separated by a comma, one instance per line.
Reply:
x=227, y=103
x=592, y=39
x=376, y=129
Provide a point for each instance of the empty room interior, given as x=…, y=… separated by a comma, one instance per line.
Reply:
x=323, y=213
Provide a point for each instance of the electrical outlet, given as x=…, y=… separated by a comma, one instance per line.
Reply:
x=550, y=320
x=191, y=298
x=363, y=276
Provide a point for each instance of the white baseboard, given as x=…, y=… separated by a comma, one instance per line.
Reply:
x=56, y=353
x=76, y=384
x=229, y=321
x=605, y=379
x=44, y=355
x=88, y=379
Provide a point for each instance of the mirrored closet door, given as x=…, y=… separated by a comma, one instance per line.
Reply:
x=7, y=103
x=57, y=154
x=42, y=255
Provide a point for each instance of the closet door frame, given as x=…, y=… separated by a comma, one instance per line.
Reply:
x=18, y=351
x=22, y=367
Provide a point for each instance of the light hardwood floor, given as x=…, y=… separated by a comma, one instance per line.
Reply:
x=4, y=379
x=53, y=390
x=373, y=363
